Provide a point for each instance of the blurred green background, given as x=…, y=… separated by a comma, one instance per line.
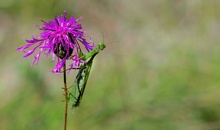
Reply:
x=160, y=70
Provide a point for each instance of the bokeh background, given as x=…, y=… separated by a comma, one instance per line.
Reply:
x=160, y=70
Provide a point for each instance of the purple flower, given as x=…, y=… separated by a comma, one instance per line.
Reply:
x=61, y=38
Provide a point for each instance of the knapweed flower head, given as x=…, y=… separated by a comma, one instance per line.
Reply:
x=60, y=38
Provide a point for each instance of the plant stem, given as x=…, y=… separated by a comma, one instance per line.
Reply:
x=65, y=96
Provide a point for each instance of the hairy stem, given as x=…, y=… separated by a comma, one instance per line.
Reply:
x=65, y=96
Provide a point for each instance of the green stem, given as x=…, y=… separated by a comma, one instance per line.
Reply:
x=65, y=96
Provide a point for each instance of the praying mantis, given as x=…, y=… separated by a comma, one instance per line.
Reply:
x=75, y=96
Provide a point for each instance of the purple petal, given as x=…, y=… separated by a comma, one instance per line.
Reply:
x=68, y=32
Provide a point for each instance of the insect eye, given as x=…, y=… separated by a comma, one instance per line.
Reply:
x=102, y=46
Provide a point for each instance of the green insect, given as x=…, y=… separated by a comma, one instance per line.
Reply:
x=79, y=85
